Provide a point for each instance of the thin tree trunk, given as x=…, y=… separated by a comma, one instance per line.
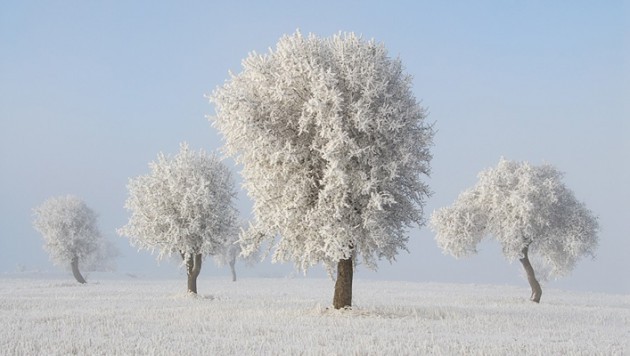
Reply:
x=74, y=264
x=232, y=264
x=193, y=267
x=531, y=277
x=343, y=285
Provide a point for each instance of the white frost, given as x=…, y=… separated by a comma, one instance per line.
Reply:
x=333, y=146
x=183, y=206
x=70, y=231
x=522, y=206
x=267, y=316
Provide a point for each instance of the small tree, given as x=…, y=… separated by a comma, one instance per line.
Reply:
x=529, y=211
x=333, y=146
x=231, y=251
x=71, y=235
x=184, y=206
x=228, y=255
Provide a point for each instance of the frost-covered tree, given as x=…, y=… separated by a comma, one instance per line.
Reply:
x=183, y=206
x=333, y=146
x=227, y=256
x=231, y=251
x=71, y=234
x=529, y=210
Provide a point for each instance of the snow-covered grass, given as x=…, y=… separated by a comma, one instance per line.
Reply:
x=291, y=316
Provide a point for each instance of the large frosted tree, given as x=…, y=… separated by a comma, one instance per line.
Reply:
x=184, y=206
x=334, y=147
x=529, y=210
x=71, y=235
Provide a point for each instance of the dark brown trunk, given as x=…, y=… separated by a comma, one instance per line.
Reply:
x=74, y=264
x=232, y=264
x=193, y=267
x=343, y=285
x=531, y=277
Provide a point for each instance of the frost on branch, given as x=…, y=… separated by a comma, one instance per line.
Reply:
x=526, y=208
x=183, y=206
x=71, y=234
x=333, y=147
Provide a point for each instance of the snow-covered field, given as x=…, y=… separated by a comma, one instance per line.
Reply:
x=121, y=315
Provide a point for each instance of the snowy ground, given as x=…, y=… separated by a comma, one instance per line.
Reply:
x=122, y=315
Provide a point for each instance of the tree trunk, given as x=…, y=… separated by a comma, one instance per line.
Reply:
x=74, y=264
x=531, y=277
x=343, y=285
x=232, y=263
x=193, y=267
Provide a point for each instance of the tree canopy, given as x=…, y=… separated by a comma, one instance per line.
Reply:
x=71, y=235
x=183, y=206
x=333, y=146
x=528, y=209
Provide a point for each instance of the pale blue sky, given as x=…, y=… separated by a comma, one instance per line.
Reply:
x=91, y=91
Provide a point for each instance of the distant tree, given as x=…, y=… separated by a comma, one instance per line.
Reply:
x=529, y=211
x=231, y=251
x=71, y=234
x=333, y=146
x=184, y=206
